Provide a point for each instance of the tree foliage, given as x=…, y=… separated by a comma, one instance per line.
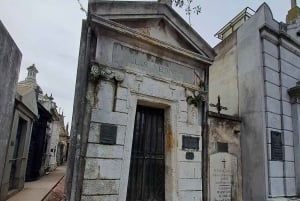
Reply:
x=188, y=6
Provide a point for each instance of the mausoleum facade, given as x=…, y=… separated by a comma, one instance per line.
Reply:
x=140, y=102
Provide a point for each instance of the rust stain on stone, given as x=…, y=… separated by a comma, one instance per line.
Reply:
x=169, y=139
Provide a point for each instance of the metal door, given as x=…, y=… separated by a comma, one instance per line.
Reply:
x=147, y=166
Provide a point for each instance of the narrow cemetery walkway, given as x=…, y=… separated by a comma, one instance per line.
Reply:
x=41, y=189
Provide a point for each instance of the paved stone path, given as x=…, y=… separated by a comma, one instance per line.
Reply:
x=57, y=193
x=38, y=190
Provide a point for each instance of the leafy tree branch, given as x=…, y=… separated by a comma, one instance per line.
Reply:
x=188, y=7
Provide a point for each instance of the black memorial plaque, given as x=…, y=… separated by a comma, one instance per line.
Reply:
x=189, y=155
x=190, y=143
x=222, y=147
x=108, y=134
x=276, y=146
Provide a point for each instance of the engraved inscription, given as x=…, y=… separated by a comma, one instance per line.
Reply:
x=108, y=134
x=223, y=177
x=191, y=143
x=223, y=184
x=124, y=56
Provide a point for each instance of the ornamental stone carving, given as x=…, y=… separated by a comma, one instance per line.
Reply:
x=99, y=71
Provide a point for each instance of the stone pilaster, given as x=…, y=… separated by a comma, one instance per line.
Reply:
x=294, y=93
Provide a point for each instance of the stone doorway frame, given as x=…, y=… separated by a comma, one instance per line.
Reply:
x=23, y=151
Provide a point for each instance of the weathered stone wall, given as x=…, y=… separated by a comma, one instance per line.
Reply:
x=223, y=76
x=225, y=129
x=10, y=61
x=265, y=106
x=267, y=62
x=252, y=107
x=282, y=71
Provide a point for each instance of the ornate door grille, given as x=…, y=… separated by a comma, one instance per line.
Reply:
x=147, y=166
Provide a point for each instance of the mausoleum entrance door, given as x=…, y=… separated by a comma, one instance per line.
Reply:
x=147, y=166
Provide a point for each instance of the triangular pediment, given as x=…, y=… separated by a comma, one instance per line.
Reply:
x=159, y=29
x=156, y=20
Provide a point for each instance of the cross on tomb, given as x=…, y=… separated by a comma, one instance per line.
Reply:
x=224, y=161
x=218, y=105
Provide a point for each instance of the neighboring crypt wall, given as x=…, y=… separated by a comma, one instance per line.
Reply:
x=263, y=61
x=265, y=106
x=223, y=78
x=10, y=61
x=224, y=139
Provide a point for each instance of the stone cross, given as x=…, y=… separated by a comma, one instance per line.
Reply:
x=293, y=3
x=218, y=105
x=224, y=161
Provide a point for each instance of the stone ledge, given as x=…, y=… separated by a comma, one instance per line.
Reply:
x=224, y=116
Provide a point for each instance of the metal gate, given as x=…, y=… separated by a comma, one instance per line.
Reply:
x=147, y=166
x=17, y=158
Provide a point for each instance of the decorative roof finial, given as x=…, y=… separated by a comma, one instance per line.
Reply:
x=32, y=71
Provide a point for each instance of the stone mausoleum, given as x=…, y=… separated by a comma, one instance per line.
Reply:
x=140, y=103
x=256, y=73
x=145, y=128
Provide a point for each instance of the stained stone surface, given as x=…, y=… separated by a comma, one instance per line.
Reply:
x=125, y=56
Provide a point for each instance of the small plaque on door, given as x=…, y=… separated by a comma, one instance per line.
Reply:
x=108, y=134
x=189, y=142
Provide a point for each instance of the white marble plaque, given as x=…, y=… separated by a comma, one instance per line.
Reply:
x=223, y=177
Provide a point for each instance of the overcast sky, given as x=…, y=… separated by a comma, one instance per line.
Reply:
x=48, y=34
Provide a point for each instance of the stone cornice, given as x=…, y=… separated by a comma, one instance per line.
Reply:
x=224, y=116
x=279, y=34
